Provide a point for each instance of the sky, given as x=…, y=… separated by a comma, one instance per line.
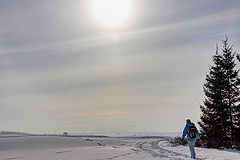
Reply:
x=62, y=68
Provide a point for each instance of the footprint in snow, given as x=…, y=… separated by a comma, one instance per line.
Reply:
x=114, y=147
x=62, y=152
x=100, y=144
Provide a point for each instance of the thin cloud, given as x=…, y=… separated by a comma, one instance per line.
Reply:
x=164, y=30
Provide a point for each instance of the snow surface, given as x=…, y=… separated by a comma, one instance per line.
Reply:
x=103, y=148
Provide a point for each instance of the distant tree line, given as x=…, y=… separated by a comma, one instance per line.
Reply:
x=220, y=117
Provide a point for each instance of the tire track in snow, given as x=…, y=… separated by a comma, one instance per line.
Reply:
x=14, y=158
x=155, y=150
x=118, y=156
x=145, y=147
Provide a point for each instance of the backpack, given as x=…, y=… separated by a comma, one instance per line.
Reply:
x=192, y=132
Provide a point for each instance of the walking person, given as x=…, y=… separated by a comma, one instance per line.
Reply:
x=192, y=135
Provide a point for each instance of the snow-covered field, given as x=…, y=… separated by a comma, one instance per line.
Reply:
x=101, y=148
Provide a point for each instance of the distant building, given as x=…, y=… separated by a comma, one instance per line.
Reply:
x=65, y=134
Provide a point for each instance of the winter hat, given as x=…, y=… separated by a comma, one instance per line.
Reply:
x=188, y=121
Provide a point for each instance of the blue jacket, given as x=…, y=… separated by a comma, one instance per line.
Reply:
x=185, y=131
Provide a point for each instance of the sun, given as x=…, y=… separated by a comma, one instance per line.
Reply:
x=112, y=13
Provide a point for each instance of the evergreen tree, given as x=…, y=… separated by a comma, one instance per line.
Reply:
x=237, y=114
x=231, y=91
x=211, y=122
x=220, y=109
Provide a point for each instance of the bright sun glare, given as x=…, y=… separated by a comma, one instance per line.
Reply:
x=112, y=13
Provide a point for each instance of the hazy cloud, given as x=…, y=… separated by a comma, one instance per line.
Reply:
x=59, y=69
